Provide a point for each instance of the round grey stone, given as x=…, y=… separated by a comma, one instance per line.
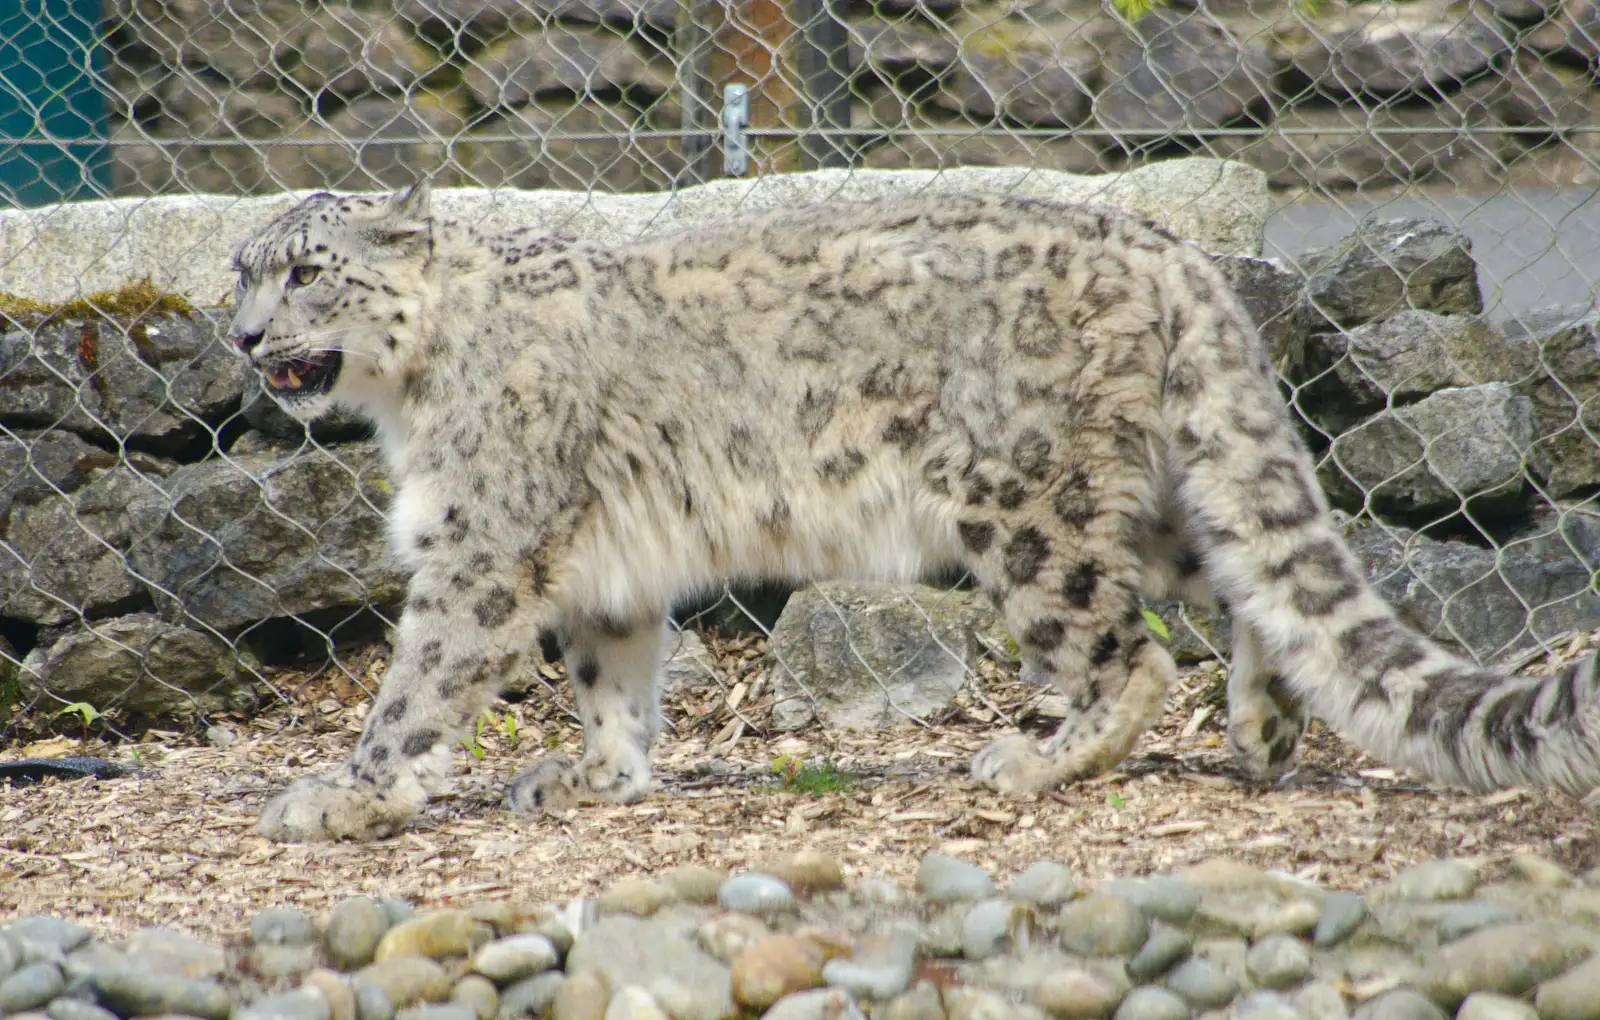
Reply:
x=1342, y=914
x=372, y=1002
x=989, y=928
x=399, y=911
x=10, y=954
x=1489, y=1006
x=76, y=1009
x=1436, y=880
x=755, y=893
x=1265, y=1006
x=1278, y=961
x=1574, y=995
x=355, y=927
x=282, y=926
x=512, y=959
x=165, y=950
x=30, y=987
x=879, y=974
x=64, y=936
x=1148, y=1002
x=1400, y=1004
x=437, y=1011
x=531, y=997
x=879, y=892
x=1165, y=948
x=1102, y=925
x=1165, y=897
x=300, y=1004
x=1321, y=1000
x=1463, y=919
x=1045, y=883
x=945, y=879
x=1202, y=983
x=130, y=991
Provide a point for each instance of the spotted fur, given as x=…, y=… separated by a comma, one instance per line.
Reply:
x=1068, y=404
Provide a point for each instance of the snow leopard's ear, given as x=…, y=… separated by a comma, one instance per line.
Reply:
x=403, y=216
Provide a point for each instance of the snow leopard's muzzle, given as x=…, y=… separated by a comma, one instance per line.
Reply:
x=292, y=378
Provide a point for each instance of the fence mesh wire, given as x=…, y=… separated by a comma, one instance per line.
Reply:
x=172, y=545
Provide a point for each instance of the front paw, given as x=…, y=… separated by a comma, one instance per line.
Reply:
x=1013, y=764
x=335, y=806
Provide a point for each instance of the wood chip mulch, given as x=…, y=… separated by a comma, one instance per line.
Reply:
x=175, y=845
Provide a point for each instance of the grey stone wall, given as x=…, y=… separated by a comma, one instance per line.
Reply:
x=269, y=94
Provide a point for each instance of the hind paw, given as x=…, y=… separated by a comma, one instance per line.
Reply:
x=1013, y=764
x=1264, y=742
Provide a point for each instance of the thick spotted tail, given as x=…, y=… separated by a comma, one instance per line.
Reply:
x=1278, y=562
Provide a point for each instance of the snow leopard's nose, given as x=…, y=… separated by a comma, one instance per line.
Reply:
x=247, y=342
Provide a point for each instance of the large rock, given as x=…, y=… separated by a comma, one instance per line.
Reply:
x=661, y=955
x=1336, y=148
x=1180, y=72
x=36, y=465
x=349, y=51
x=865, y=656
x=1387, y=266
x=1494, y=607
x=1352, y=374
x=566, y=60
x=141, y=664
x=1015, y=70
x=1432, y=457
x=618, y=163
x=1558, y=368
x=259, y=536
x=247, y=43
x=184, y=243
x=488, y=18
x=1385, y=49
x=64, y=555
x=387, y=142
x=162, y=382
x=890, y=48
x=1275, y=299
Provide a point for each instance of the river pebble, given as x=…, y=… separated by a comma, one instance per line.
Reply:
x=1044, y=883
x=755, y=893
x=1102, y=925
x=30, y=987
x=945, y=879
x=802, y=939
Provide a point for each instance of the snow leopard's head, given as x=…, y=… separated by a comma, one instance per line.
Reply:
x=328, y=298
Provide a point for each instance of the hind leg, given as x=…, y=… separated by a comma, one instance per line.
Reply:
x=1264, y=718
x=1068, y=588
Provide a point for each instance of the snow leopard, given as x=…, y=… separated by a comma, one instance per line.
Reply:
x=1067, y=404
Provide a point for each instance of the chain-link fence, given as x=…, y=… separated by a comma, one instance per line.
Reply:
x=172, y=545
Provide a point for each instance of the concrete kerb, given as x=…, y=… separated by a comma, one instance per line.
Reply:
x=183, y=243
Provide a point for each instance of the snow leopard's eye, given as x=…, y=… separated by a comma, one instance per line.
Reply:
x=304, y=276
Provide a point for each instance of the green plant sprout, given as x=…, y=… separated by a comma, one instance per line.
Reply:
x=795, y=776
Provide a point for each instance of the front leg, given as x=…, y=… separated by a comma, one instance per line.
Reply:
x=615, y=672
x=460, y=637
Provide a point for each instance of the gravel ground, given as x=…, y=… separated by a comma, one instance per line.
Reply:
x=897, y=888
x=799, y=940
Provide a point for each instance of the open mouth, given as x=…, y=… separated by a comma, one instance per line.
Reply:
x=304, y=377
